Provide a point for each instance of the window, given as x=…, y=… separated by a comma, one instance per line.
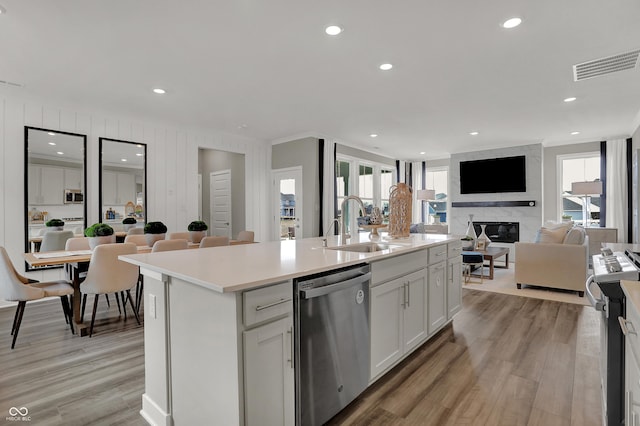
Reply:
x=437, y=178
x=578, y=168
x=372, y=186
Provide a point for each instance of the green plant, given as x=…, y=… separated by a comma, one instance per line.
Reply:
x=55, y=222
x=129, y=221
x=566, y=216
x=155, y=228
x=98, y=230
x=197, y=225
x=466, y=238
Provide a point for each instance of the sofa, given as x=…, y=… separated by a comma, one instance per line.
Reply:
x=558, y=258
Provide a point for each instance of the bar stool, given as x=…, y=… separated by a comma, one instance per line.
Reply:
x=469, y=260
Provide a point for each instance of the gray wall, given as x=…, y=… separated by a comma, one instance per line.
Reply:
x=211, y=160
x=364, y=155
x=302, y=152
x=550, y=207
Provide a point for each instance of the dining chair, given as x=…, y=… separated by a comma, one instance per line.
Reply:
x=245, y=236
x=16, y=288
x=168, y=245
x=214, y=242
x=179, y=236
x=135, y=231
x=77, y=243
x=55, y=240
x=139, y=240
x=108, y=274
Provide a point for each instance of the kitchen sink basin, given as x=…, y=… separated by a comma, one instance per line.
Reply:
x=364, y=247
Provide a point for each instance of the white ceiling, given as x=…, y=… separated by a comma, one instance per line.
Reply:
x=266, y=69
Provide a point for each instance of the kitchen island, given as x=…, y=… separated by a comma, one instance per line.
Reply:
x=219, y=329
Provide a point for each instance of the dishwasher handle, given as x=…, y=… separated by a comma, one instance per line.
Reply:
x=321, y=291
x=599, y=304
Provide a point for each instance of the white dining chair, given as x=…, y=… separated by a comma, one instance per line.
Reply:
x=136, y=231
x=138, y=240
x=179, y=236
x=246, y=236
x=55, y=240
x=16, y=288
x=214, y=242
x=168, y=245
x=108, y=274
x=77, y=243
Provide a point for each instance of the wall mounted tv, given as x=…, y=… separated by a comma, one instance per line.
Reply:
x=505, y=174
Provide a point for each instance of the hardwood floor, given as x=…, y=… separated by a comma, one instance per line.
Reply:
x=506, y=360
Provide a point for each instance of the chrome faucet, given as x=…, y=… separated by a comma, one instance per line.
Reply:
x=326, y=234
x=344, y=234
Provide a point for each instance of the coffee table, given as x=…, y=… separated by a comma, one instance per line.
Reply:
x=491, y=254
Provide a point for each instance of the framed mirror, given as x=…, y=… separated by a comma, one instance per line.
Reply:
x=55, y=179
x=123, y=183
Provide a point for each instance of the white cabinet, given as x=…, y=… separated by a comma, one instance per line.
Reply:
x=269, y=397
x=454, y=278
x=269, y=379
x=73, y=179
x=630, y=327
x=46, y=185
x=437, y=296
x=118, y=188
x=398, y=319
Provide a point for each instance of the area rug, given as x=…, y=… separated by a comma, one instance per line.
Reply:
x=504, y=282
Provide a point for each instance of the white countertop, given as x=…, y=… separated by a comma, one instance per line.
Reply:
x=246, y=266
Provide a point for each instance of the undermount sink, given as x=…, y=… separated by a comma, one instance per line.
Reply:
x=364, y=247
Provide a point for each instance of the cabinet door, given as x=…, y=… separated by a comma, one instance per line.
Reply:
x=454, y=286
x=109, y=189
x=268, y=374
x=51, y=185
x=414, y=291
x=437, y=297
x=126, y=188
x=386, y=325
x=34, y=184
x=73, y=179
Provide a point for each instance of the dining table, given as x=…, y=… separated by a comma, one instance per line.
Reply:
x=75, y=263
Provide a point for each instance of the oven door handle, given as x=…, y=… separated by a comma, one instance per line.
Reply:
x=321, y=291
x=599, y=304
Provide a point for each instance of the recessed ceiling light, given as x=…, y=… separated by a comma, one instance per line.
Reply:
x=333, y=30
x=575, y=133
x=386, y=67
x=373, y=135
x=139, y=146
x=139, y=154
x=473, y=133
x=123, y=159
x=159, y=91
x=60, y=153
x=571, y=99
x=52, y=143
x=51, y=133
x=242, y=126
x=512, y=23
x=422, y=153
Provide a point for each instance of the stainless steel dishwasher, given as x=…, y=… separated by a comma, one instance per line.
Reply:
x=332, y=342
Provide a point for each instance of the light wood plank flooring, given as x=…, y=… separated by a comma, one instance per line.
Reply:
x=506, y=360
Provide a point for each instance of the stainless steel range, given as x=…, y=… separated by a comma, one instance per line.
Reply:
x=608, y=269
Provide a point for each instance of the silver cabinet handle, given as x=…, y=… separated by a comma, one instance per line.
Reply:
x=404, y=296
x=408, y=293
x=290, y=333
x=272, y=304
x=442, y=253
x=623, y=325
x=599, y=304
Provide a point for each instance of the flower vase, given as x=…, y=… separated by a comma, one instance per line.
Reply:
x=483, y=239
x=471, y=232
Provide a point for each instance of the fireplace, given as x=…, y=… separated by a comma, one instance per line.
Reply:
x=499, y=232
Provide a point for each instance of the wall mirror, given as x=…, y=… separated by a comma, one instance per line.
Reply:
x=54, y=181
x=123, y=182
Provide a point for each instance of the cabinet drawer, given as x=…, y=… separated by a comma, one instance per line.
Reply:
x=454, y=249
x=266, y=303
x=437, y=253
x=387, y=269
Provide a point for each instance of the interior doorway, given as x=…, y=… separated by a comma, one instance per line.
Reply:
x=287, y=203
x=220, y=199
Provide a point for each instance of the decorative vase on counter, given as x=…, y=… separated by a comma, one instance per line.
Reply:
x=471, y=232
x=399, y=210
x=483, y=237
x=376, y=216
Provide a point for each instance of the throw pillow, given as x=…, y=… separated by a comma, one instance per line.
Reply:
x=546, y=235
x=575, y=236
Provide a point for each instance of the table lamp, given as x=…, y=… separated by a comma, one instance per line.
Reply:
x=586, y=190
x=425, y=195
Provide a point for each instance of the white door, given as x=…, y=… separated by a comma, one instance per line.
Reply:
x=220, y=203
x=287, y=203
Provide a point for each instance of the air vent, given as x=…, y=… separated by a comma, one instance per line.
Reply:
x=611, y=64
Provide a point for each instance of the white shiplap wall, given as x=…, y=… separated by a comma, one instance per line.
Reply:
x=172, y=165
